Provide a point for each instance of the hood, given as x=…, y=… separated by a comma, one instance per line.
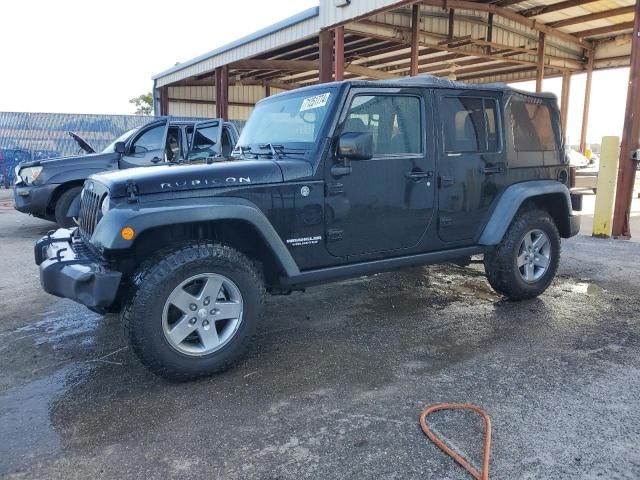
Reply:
x=68, y=161
x=84, y=145
x=175, y=178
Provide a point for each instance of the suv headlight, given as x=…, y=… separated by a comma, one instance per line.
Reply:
x=104, y=208
x=30, y=174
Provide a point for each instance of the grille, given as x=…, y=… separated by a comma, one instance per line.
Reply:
x=89, y=208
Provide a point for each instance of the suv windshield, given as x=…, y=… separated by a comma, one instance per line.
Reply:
x=121, y=138
x=292, y=120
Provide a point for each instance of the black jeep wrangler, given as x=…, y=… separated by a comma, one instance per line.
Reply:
x=49, y=188
x=326, y=182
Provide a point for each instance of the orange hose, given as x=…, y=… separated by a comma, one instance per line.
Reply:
x=484, y=475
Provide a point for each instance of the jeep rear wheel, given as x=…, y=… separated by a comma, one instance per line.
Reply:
x=524, y=264
x=194, y=310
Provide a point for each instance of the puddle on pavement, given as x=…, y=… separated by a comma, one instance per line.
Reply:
x=50, y=357
x=58, y=326
x=25, y=418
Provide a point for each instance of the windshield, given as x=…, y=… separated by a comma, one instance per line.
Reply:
x=294, y=119
x=121, y=138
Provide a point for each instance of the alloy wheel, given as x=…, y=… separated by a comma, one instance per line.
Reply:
x=202, y=314
x=534, y=255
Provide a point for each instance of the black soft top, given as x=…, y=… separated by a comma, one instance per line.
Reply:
x=430, y=81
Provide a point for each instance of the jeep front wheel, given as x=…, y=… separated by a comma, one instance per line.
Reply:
x=524, y=264
x=194, y=310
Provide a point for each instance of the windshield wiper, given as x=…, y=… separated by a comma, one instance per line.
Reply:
x=274, y=149
x=245, y=149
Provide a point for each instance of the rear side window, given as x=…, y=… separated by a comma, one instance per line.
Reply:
x=532, y=127
x=394, y=121
x=470, y=124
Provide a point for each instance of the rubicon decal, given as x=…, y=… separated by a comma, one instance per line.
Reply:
x=297, y=242
x=204, y=181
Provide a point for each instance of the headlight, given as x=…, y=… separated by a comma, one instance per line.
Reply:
x=30, y=174
x=104, y=208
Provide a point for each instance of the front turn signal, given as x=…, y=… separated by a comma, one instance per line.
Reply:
x=127, y=233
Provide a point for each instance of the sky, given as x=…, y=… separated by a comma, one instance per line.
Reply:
x=72, y=56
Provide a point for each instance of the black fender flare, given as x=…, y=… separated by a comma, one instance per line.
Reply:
x=511, y=200
x=142, y=217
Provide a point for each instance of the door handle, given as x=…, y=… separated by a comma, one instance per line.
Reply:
x=492, y=169
x=340, y=170
x=417, y=175
x=155, y=160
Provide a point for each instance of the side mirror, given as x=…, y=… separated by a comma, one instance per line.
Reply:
x=356, y=145
x=119, y=147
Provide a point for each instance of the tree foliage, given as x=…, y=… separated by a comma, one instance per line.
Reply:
x=143, y=104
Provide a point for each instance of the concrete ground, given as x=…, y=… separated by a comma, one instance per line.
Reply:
x=336, y=382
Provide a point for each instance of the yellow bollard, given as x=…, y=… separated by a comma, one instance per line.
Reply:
x=606, y=186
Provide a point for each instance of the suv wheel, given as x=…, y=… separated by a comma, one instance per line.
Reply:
x=62, y=207
x=524, y=264
x=194, y=310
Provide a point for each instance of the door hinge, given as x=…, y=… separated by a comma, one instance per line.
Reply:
x=445, y=221
x=335, y=189
x=446, y=181
x=335, y=234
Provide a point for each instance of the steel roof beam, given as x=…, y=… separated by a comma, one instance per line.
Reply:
x=555, y=7
x=592, y=32
x=368, y=28
x=592, y=16
x=508, y=14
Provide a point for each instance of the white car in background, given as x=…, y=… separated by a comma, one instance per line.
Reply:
x=586, y=170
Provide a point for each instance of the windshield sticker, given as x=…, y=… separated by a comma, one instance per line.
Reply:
x=314, y=102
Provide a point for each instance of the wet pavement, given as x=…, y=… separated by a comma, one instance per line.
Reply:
x=337, y=379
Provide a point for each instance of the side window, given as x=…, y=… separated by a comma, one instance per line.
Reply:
x=394, y=121
x=470, y=124
x=532, y=127
x=205, y=138
x=149, y=140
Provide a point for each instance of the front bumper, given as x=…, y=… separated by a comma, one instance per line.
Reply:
x=68, y=269
x=33, y=199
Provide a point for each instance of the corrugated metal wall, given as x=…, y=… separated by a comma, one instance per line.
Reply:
x=34, y=136
x=242, y=95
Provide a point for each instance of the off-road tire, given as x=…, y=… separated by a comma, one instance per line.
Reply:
x=62, y=207
x=500, y=264
x=153, y=283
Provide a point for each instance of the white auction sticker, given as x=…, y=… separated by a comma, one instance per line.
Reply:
x=314, y=102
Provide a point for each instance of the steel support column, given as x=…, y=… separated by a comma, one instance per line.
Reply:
x=164, y=101
x=415, y=47
x=587, y=102
x=489, y=32
x=630, y=140
x=540, y=66
x=338, y=41
x=452, y=20
x=326, y=55
x=564, y=100
x=222, y=92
